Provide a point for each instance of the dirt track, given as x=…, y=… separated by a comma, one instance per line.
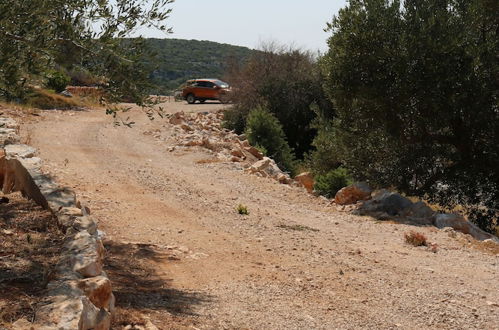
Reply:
x=182, y=256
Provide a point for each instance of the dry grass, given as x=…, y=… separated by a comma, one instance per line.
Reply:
x=416, y=239
x=30, y=245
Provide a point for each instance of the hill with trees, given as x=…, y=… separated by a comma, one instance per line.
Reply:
x=177, y=60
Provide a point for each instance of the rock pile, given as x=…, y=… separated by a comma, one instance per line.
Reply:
x=384, y=205
x=79, y=295
x=205, y=130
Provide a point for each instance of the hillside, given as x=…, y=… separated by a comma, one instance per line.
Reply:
x=179, y=60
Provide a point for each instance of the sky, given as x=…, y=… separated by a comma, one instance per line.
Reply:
x=250, y=23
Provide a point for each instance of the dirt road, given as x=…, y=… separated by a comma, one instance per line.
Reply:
x=181, y=256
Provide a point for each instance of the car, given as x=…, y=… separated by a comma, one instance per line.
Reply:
x=205, y=89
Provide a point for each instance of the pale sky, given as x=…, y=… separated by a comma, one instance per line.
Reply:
x=250, y=22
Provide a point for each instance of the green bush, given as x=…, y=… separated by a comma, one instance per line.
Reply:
x=329, y=183
x=264, y=130
x=57, y=81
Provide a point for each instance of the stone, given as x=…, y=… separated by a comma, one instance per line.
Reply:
x=235, y=159
x=254, y=151
x=237, y=153
x=459, y=223
x=8, y=136
x=260, y=165
x=186, y=127
x=98, y=290
x=85, y=223
x=22, y=324
x=19, y=150
x=177, y=118
x=86, y=254
x=418, y=210
x=8, y=123
x=73, y=313
x=283, y=178
x=307, y=180
x=353, y=193
x=194, y=143
x=15, y=177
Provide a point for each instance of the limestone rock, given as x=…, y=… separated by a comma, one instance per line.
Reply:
x=8, y=136
x=19, y=150
x=237, y=153
x=8, y=123
x=307, y=180
x=87, y=254
x=85, y=223
x=177, y=118
x=98, y=290
x=353, y=193
x=76, y=313
x=459, y=223
x=254, y=151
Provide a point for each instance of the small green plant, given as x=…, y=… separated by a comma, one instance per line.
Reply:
x=416, y=239
x=242, y=209
x=329, y=183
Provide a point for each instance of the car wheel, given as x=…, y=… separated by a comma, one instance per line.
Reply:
x=190, y=99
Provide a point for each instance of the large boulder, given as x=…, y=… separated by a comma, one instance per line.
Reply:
x=385, y=204
x=353, y=193
x=307, y=180
x=459, y=223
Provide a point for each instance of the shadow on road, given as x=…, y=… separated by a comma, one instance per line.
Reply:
x=139, y=288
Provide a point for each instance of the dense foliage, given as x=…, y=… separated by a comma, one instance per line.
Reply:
x=415, y=85
x=265, y=132
x=39, y=36
x=287, y=83
x=178, y=60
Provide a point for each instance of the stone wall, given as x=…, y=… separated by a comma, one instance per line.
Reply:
x=79, y=295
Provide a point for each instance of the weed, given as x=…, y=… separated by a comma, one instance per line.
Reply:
x=416, y=239
x=242, y=209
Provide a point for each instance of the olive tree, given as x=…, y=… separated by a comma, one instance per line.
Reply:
x=39, y=35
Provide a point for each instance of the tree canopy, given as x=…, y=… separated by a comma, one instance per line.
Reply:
x=39, y=35
x=415, y=85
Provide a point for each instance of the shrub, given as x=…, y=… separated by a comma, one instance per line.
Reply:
x=328, y=184
x=264, y=130
x=242, y=209
x=57, y=81
x=415, y=238
x=234, y=119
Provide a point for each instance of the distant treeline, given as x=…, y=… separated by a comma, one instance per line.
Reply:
x=177, y=60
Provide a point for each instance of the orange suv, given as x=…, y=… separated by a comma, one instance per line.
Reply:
x=205, y=89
